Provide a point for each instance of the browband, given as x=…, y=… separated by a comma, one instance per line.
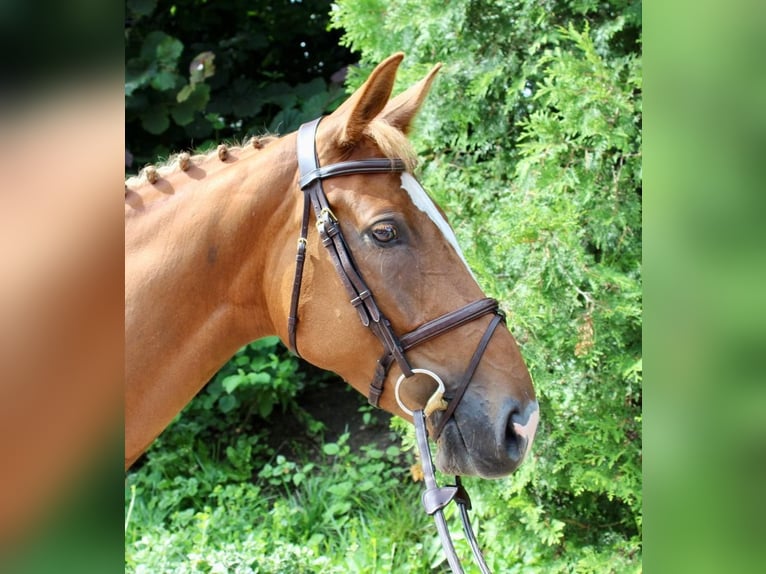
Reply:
x=377, y=165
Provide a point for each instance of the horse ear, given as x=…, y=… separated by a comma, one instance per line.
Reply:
x=400, y=111
x=368, y=101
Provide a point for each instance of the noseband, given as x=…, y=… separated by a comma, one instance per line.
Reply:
x=395, y=347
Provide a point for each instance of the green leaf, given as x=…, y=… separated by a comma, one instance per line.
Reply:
x=339, y=508
x=279, y=94
x=216, y=121
x=183, y=115
x=365, y=485
x=164, y=80
x=155, y=120
x=160, y=46
x=231, y=382
x=308, y=90
x=392, y=451
x=194, y=101
x=266, y=342
x=184, y=93
x=169, y=50
x=265, y=406
x=331, y=449
x=315, y=105
x=135, y=80
x=286, y=120
x=227, y=403
x=259, y=378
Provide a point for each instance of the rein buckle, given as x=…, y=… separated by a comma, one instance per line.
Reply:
x=435, y=499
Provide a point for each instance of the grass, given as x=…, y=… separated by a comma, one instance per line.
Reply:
x=247, y=508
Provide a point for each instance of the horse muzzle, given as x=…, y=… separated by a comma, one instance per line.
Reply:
x=486, y=441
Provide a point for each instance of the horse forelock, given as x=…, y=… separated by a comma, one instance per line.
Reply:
x=392, y=142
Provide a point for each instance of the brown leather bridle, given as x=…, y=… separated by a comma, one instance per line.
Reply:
x=435, y=498
x=331, y=235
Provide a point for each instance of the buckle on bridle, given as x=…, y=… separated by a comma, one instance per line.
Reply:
x=326, y=218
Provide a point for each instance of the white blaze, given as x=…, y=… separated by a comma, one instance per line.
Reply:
x=424, y=203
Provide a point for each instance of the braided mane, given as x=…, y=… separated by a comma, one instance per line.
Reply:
x=184, y=160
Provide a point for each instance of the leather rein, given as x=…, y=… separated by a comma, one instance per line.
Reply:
x=395, y=347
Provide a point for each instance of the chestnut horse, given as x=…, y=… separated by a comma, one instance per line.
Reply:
x=210, y=264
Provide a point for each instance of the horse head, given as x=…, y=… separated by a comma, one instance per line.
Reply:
x=398, y=244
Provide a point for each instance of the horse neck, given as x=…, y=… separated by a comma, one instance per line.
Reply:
x=205, y=250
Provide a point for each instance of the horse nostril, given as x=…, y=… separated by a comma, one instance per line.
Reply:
x=520, y=429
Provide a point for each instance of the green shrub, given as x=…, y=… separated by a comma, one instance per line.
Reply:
x=342, y=512
x=198, y=73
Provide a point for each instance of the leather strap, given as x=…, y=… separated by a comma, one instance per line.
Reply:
x=433, y=491
x=300, y=258
x=426, y=332
x=467, y=376
x=449, y=321
x=436, y=498
x=332, y=238
x=351, y=168
x=464, y=504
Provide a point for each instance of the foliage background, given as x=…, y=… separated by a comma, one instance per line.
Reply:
x=199, y=72
x=531, y=141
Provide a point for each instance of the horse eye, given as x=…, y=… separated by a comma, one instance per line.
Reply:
x=384, y=232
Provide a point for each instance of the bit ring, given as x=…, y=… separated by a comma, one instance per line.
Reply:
x=400, y=380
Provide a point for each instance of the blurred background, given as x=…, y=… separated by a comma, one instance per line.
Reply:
x=61, y=293
x=532, y=141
